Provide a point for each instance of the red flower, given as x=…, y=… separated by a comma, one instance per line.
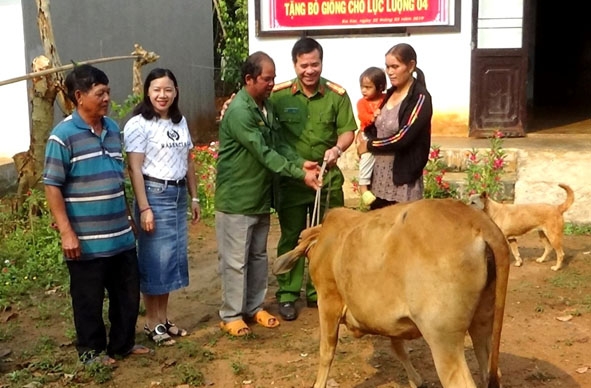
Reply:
x=498, y=163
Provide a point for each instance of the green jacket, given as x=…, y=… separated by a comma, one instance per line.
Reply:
x=250, y=153
x=312, y=125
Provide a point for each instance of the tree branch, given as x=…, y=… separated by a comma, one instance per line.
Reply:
x=218, y=14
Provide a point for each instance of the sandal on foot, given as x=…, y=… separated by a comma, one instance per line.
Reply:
x=265, y=319
x=174, y=330
x=235, y=328
x=139, y=350
x=159, y=335
x=103, y=360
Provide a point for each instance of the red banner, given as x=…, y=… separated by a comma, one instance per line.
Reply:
x=357, y=13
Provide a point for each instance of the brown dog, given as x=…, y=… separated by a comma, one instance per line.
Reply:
x=516, y=220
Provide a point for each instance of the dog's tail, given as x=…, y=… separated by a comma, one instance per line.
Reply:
x=570, y=198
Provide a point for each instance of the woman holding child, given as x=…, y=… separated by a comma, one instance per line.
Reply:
x=400, y=137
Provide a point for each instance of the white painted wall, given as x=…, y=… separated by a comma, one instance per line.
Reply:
x=500, y=23
x=444, y=58
x=15, y=124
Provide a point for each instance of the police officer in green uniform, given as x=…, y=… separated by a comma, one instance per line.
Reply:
x=317, y=120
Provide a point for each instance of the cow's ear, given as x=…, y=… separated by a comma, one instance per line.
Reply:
x=484, y=195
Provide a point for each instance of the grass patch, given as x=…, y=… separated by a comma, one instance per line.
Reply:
x=30, y=251
x=571, y=229
x=188, y=374
x=238, y=368
x=570, y=279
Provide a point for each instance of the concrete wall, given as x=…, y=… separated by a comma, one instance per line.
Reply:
x=444, y=58
x=14, y=130
x=180, y=31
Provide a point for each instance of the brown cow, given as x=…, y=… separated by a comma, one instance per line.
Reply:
x=435, y=268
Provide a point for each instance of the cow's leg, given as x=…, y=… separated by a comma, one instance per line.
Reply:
x=481, y=329
x=330, y=310
x=399, y=349
x=480, y=333
x=448, y=354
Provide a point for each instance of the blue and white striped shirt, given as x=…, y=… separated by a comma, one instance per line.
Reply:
x=89, y=171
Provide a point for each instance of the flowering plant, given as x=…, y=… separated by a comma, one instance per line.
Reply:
x=433, y=173
x=205, y=159
x=483, y=172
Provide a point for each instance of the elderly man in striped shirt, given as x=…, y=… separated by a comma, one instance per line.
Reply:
x=83, y=179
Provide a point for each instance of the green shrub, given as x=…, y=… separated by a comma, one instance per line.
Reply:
x=483, y=172
x=30, y=250
x=434, y=185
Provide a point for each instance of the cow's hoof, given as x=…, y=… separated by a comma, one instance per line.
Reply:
x=288, y=311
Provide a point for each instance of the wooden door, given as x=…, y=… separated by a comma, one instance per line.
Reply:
x=498, y=68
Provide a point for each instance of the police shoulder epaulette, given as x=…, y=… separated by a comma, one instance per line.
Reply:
x=338, y=89
x=282, y=85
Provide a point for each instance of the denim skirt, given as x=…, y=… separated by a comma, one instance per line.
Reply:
x=162, y=253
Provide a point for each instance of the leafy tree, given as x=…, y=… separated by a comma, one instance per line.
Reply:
x=231, y=39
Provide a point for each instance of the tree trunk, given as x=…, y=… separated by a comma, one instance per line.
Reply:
x=42, y=96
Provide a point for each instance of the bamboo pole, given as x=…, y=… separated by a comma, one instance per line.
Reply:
x=68, y=67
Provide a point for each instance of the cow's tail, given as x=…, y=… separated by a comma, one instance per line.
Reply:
x=286, y=261
x=570, y=198
x=501, y=257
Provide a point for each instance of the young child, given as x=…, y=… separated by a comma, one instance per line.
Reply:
x=373, y=83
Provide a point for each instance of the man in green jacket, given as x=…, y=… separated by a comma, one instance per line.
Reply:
x=317, y=120
x=248, y=159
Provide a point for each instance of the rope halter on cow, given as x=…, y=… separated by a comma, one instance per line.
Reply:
x=316, y=212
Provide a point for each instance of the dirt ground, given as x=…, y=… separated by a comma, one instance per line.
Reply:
x=546, y=338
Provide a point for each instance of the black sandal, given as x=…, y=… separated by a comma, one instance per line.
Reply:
x=159, y=335
x=174, y=330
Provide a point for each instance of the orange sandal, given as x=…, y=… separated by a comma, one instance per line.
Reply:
x=235, y=328
x=265, y=319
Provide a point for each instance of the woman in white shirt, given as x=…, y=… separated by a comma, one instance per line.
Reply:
x=158, y=144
